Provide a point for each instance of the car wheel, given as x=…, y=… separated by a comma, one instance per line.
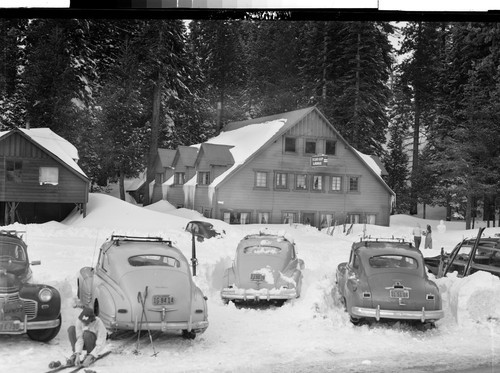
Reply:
x=356, y=321
x=188, y=335
x=44, y=335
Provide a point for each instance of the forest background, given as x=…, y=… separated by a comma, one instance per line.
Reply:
x=119, y=89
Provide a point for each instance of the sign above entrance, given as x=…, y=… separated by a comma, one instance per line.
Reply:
x=319, y=160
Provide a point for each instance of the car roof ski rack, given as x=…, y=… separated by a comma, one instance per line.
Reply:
x=118, y=238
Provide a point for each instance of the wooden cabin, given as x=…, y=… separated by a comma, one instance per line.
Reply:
x=163, y=172
x=41, y=179
x=291, y=167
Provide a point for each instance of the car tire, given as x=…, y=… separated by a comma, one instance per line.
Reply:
x=355, y=321
x=44, y=335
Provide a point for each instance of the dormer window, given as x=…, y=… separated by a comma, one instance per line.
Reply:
x=203, y=178
x=179, y=178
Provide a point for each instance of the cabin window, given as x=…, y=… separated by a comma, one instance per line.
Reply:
x=281, y=180
x=310, y=147
x=237, y=217
x=260, y=179
x=301, y=182
x=290, y=144
x=326, y=220
x=354, y=184
x=330, y=147
x=317, y=182
x=289, y=217
x=14, y=170
x=370, y=218
x=336, y=185
x=263, y=218
x=49, y=175
x=353, y=218
x=203, y=178
x=179, y=178
x=159, y=178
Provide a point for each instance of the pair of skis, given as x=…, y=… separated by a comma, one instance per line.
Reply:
x=142, y=300
x=76, y=368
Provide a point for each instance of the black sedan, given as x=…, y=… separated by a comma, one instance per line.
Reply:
x=201, y=229
x=25, y=308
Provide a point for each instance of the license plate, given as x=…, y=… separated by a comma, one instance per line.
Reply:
x=161, y=300
x=257, y=277
x=399, y=293
x=10, y=326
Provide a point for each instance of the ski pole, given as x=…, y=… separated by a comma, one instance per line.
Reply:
x=147, y=322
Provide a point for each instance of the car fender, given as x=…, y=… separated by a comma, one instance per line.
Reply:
x=104, y=303
x=229, y=277
x=85, y=284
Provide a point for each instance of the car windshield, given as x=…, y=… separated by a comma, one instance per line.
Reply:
x=153, y=260
x=393, y=261
x=262, y=250
x=12, y=250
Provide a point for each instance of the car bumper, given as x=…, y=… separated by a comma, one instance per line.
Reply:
x=378, y=313
x=197, y=327
x=258, y=295
x=20, y=327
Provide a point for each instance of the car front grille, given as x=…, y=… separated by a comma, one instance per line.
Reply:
x=30, y=307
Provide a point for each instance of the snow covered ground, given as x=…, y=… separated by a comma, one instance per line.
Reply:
x=311, y=333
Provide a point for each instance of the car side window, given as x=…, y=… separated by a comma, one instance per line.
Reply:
x=355, y=262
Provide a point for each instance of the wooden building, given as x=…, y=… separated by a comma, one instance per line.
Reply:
x=284, y=168
x=40, y=177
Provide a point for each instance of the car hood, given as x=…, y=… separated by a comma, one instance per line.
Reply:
x=259, y=272
x=383, y=284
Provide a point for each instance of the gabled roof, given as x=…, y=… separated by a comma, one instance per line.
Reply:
x=53, y=144
x=187, y=154
x=252, y=136
x=216, y=154
x=167, y=157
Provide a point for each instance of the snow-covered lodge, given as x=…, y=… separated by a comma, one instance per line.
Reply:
x=284, y=168
x=40, y=177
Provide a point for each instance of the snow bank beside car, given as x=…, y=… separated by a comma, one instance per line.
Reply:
x=473, y=299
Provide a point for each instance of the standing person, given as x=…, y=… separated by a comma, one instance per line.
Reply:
x=428, y=238
x=89, y=334
x=417, y=235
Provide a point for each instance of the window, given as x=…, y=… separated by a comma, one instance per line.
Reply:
x=281, y=180
x=153, y=260
x=336, y=184
x=354, y=184
x=262, y=218
x=235, y=217
x=370, y=218
x=317, y=182
x=203, y=178
x=261, y=179
x=14, y=170
x=330, y=147
x=179, y=178
x=326, y=220
x=310, y=147
x=289, y=217
x=301, y=182
x=353, y=218
x=159, y=178
x=392, y=261
x=290, y=145
x=48, y=175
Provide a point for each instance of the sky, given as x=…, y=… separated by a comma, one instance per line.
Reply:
x=311, y=333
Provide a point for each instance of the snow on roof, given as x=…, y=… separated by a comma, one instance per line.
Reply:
x=54, y=144
x=245, y=141
x=370, y=162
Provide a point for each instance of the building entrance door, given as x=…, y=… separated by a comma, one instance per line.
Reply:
x=308, y=218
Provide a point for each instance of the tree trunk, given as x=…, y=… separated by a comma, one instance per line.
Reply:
x=468, y=212
x=153, y=145
x=121, y=183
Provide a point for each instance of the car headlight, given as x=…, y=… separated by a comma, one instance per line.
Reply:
x=45, y=294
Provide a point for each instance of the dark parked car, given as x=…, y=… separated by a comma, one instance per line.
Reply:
x=201, y=229
x=469, y=256
x=387, y=279
x=25, y=308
